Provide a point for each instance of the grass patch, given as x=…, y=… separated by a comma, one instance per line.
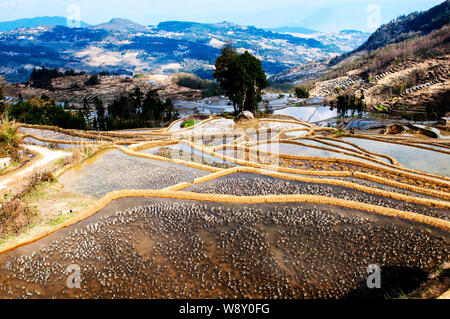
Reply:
x=339, y=132
x=12, y=164
x=381, y=108
x=190, y=123
x=60, y=219
x=38, y=191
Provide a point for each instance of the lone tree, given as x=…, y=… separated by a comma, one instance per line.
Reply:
x=242, y=78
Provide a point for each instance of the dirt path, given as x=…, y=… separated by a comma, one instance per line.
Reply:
x=44, y=158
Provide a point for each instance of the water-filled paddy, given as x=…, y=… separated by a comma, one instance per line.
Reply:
x=295, y=134
x=114, y=170
x=30, y=140
x=167, y=249
x=176, y=126
x=309, y=113
x=51, y=135
x=411, y=157
x=273, y=125
x=187, y=154
x=216, y=126
x=245, y=184
x=338, y=147
x=298, y=150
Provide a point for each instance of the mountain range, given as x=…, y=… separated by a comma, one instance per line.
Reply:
x=35, y=22
x=125, y=47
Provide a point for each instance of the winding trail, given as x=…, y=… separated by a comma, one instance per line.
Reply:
x=45, y=157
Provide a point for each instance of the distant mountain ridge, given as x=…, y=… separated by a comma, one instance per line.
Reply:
x=122, y=46
x=287, y=29
x=35, y=22
x=121, y=25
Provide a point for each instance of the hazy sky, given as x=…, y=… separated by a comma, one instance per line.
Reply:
x=323, y=15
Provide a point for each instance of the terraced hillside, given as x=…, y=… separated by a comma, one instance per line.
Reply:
x=412, y=84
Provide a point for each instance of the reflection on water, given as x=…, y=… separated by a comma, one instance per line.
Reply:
x=30, y=140
x=298, y=150
x=338, y=147
x=187, y=154
x=440, y=133
x=408, y=156
x=114, y=170
x=309, y=113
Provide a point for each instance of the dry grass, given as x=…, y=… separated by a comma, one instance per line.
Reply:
x=401, y=52
x=15, y=213
x=377, y=61
x=84, y=152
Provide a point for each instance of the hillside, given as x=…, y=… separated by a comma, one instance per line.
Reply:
x=404, y=27
x=121, y=25
x=409, y=79
x=125, y=47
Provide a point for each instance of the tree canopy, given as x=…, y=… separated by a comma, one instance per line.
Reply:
x=45, y=112
x=139, y=109
x=242, y=78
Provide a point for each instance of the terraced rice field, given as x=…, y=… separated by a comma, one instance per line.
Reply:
x=213, y=212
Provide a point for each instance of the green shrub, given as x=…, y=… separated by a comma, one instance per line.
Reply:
x=189, y=123
x=9, y=140
x=302, y=92
x=93, y=80
x=399, y=88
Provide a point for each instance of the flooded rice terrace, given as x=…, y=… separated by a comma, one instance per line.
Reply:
x=153, y=248
x=185, y=153
x=293, y=211
x=114, y=170
x=412, y=157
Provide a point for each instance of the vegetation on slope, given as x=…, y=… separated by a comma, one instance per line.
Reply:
x=376, y=61
x=44, y=111
x=2, y=104
x=403, y=28
x=136, y=109
x=9, y=140
x=42, y=78
x=302, y=92
x=209, y=88
x=15, y=213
